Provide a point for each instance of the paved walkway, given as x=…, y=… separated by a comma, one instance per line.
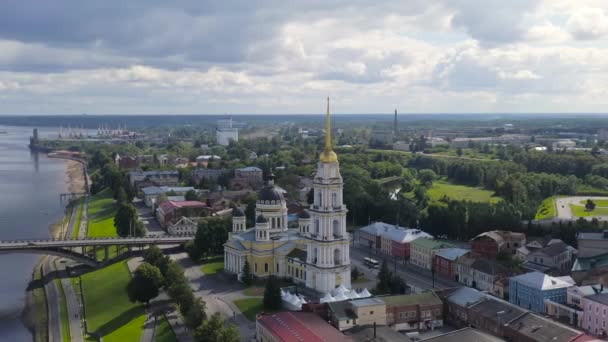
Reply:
x=84, y=220
x=218, y=294
x=565, y=212
x=52, y=299
x=73, y=309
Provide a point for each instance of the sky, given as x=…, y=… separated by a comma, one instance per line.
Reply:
x=282, y=57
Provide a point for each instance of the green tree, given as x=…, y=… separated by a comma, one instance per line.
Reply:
x=121, y=196
x=427, y=176
x=196, y=314
x=355, y=273
x=272, y=294
x=210, y=237
x=459, y=151
x=247, y=277
x=145, y=283
x=125, y=219
x=384, y=278
x=191, y=195
x=215, y=329
x=154, y=256
x=589, y=205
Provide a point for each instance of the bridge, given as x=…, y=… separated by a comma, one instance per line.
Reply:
x=85, y=250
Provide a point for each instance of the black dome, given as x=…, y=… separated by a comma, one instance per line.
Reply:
x=304, y=214
x=270, y=193
x=261, y=219
x=237, y=212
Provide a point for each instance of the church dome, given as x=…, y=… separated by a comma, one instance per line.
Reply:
x=304, y=214
x=270, y=193
x=261, y=219
x=237, y=212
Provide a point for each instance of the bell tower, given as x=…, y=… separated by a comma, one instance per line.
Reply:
x=327, y=246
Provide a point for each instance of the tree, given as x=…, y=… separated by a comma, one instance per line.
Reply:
x=125, y=219
x=272, y=294
x=215, y=329
x=154, y=256
x=590, y=205
x=196, y=314
x=210, y=237
x=427, y=176
x=247, y=277
x=459, y=151
x=145, y=283
x=121, y=196
x=384, y=278
x=191, y=196
x=355, y=273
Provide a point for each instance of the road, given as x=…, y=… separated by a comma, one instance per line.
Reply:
x=420, y=279
x=52, y=299
x=146, y=216
x=563, y=207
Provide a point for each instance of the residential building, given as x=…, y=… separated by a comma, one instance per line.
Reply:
x=493, y=242
x=389, y=239
x=532, y=328
x=422, y=311
x=445, y=261
x=292, y=326
x=534, y=243
x=373, y=333
x=491, y=315
x=595, y=314
x=401, y=146
x=226, y=132
x=212, y=175
x=591, y=270
x=557, y=256
x=150, y=193
x=465, y=274
x=592, y=244
x=458, y=302
x=142, y=179
x=247, y=177
x=464, y=335
x=349, y=313
x=183, y=226
x=170, y=212
x=486, y=273
x=126, y=162
x=530, y=290
x=572, y=310
x=422, y=251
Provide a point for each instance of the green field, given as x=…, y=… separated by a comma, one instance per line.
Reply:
x=249, y=307
x=78, y=218
x=579, y=211
x=213, y=265
x=598, y=202
x=254, y=291
x=101, y=215
x=63, y=309
x=547, y=209
x=109, y=312
x=439, y=189
x=164, y=333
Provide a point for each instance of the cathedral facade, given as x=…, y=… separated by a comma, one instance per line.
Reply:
x=317, y=252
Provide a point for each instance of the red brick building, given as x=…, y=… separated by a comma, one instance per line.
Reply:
x=170, y=212
x=444, y=261
x=493, y=242
x=422, y=311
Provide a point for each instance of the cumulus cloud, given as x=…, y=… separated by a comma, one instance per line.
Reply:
x=588, y=23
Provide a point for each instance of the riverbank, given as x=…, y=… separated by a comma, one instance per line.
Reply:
x=35, y=312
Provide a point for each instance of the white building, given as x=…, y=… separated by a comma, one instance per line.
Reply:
x=226, y=132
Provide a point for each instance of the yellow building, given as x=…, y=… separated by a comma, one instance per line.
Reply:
x=317, y=252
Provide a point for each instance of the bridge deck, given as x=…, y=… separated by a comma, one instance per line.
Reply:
x=111, y=241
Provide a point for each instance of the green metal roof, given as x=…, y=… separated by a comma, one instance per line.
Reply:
x=425, y=298
x=430, y=244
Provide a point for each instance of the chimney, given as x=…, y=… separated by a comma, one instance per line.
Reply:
x=374, y=330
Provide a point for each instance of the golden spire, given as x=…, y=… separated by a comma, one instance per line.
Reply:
x=328, y=155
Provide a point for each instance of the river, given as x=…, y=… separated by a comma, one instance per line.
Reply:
x=30, y=185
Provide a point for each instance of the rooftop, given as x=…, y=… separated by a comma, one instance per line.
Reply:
x=553, y=249
x=168, y=205
x=451, y=253
x=601, y=298
x=365, y=333
x=498, y=311
x=587, y=263
x=429, y=243
x=465, y=296
x=425, y=298
x=592, y=236
x=300, y=326
x=249, y=169
x=540, y=281
x=466, y=334
x=297, y=253
x=393, y=232
x=366, y=302
x=541, y=329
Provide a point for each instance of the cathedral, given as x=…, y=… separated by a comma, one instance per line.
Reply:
x=317, y=252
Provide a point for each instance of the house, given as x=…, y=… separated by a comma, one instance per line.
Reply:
x=247, y=177
x=183, y=226
x=530, y=290
x=458, y=302
x=534, y=244
x=170, y=212
x=595, y=314
x=557, y=256
x=486, y=274
x=592, y=244
x=591, y=270
x=291, y=326
x=142, y=179
x=491, y=315
x=213, y=175
x=150, y=193
x=389, y=239
x=445, y=261
x=350, y=313
x=422, y=311
x=572, y=310
x=493, y=242
x=422, y=251
x=126, y=162
x=465, y=274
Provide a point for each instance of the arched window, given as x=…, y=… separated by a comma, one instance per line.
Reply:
x=336, y=229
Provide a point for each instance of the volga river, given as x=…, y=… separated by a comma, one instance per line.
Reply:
x=30, y=185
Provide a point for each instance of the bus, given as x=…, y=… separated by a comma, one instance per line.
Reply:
x=371, y=262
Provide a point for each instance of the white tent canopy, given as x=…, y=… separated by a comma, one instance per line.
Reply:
x=364, y=293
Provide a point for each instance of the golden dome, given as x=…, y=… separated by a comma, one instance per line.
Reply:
x=328, y=156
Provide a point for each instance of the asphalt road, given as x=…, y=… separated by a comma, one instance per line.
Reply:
x=52, y=298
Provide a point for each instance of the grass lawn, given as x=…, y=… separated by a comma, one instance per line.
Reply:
x=213, y=265
x=109, y=312
x=78, y=219
x=598, y=202
x=164, y=333
x=460, y=193
x=579, y=211
x=547, y=209
x=101, y=215
x=63, y=309
x=249, y=307
x=254, y=291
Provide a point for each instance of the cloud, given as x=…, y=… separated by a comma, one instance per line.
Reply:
x=588, y=23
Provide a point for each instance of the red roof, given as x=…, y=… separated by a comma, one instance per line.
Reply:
x=181, y=204
x=291, y=326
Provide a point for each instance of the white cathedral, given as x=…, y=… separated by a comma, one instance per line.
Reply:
x=317, y=252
